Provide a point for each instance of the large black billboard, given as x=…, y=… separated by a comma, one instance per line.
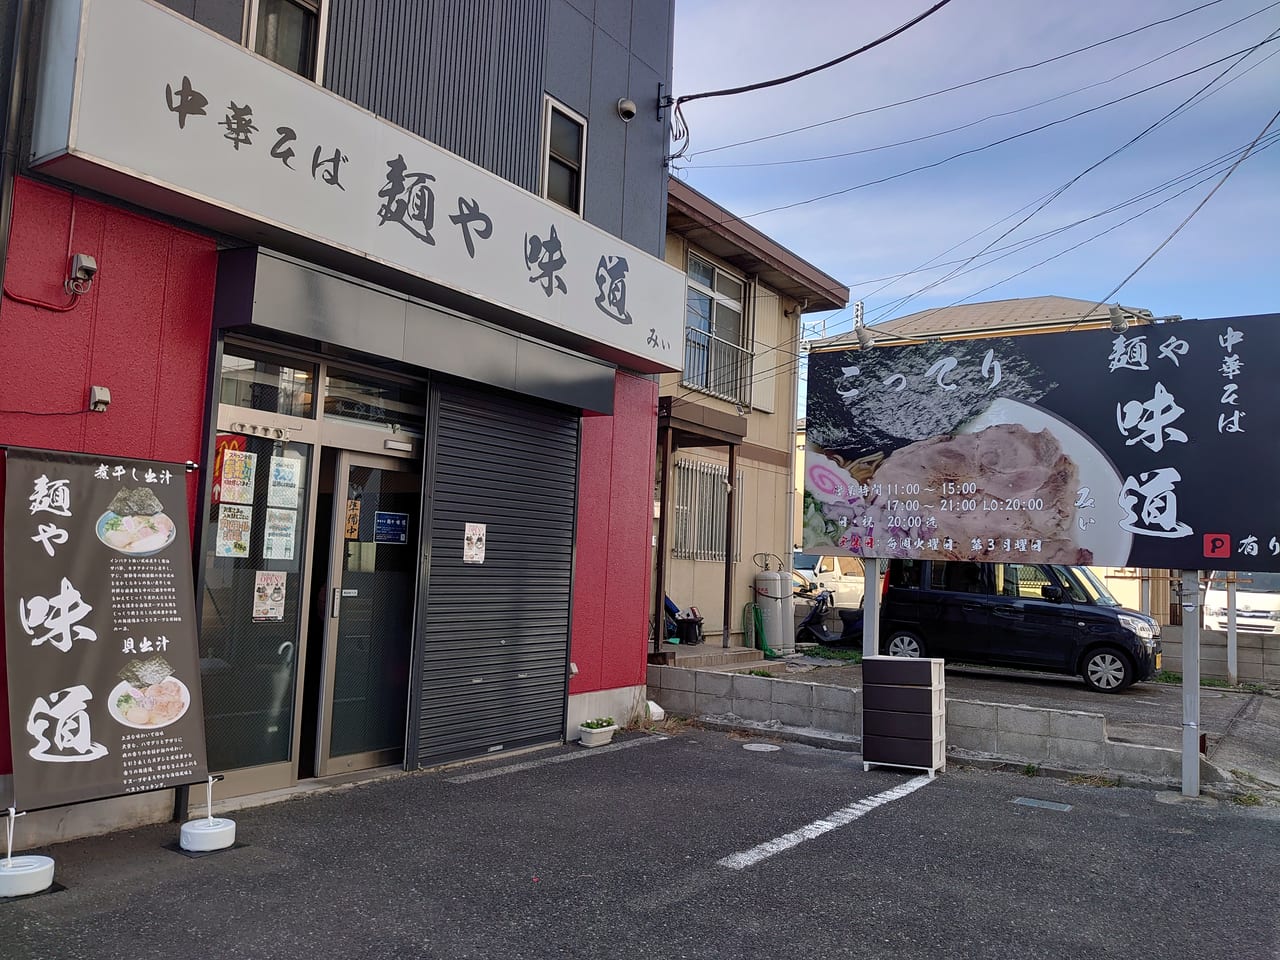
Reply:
x=100, y=635
x=1154, y=447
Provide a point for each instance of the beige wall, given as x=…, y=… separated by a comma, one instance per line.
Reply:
x=766, y=497
x=763, y=499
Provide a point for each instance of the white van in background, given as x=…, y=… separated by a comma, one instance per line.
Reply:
x=1257, y=601
x=841, y=575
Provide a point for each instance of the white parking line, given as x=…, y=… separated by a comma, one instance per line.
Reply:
x=558, y=758
x=845, y=815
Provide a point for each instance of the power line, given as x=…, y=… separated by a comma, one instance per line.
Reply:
x=1169, y=115
x=961, y=86
x=1259, y=144
x=991, y=116
x=1178, y=229
x=680, y=132
x=730, y=91
x=994, y=143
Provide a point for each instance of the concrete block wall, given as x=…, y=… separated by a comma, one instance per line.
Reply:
x=1257, y=654
x=1060, y=739
x=1063, y=739
x=696, y=693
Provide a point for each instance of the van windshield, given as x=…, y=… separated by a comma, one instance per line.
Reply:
x=804, y=561
x=1247, y=581
x=1085, y=586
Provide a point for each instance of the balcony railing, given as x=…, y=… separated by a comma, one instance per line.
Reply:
x=716, y=366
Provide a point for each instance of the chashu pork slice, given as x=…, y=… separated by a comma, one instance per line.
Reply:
x=1013, y=470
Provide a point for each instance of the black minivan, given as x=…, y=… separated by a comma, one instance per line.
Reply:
x=1038, y=616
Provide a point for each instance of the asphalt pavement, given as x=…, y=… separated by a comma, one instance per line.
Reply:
x=683, y=845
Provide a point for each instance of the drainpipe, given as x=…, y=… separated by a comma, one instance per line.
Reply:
x=13, y=95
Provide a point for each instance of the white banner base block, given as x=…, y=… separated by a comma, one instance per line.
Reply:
x=23, y=876
x=204, y=834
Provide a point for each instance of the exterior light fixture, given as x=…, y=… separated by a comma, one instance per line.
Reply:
x=1119, y=322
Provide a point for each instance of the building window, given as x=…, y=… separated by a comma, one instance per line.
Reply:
x=564, y=158
x=288, y=32
x=699, y=509
x=717, y=354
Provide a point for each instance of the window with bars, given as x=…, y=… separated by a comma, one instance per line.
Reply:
x=700, y=506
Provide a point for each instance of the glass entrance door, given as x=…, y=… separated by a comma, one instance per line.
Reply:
x=369, y=613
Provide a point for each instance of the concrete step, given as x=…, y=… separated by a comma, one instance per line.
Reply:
x=708, y=655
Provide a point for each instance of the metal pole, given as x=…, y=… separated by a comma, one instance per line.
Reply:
x=1233, y=664
x=870, y=606
x=1144, y=591
x=1190, y=683
x=660, y=566
x=728, y=541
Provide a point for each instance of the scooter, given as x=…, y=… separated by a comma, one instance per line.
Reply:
x=813, y=628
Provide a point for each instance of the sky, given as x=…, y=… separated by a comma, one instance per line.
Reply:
x=1224, y=262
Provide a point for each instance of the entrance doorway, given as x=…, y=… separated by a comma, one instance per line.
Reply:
x=311, y=568
x=361, y=631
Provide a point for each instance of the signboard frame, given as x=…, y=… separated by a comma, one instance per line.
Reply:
x=1113, y=448
x=100, y=626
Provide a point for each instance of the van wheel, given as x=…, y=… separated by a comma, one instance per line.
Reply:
x=903, y=643
x=1107, y=670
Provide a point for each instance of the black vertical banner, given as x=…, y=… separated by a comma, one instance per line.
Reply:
x=100, y=628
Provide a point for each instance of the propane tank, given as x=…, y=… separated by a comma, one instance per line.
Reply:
x=770, y=592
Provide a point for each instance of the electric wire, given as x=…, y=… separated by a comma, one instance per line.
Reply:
x=1257, y=146
x=996, y=143
x=1178, y=229
x=961, y=86
x=680, y=132
x=991, y=116
x=747, y=88
x=1186, y=104
x=929, y=264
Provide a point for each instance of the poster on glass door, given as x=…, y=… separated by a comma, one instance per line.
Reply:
x=100, y=631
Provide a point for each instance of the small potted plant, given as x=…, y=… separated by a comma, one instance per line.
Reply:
x=597, y=732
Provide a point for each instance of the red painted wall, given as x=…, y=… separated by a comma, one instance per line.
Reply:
x=143, y=330
x=611, y=595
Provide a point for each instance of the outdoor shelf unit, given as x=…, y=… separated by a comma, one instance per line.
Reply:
x=904, y=714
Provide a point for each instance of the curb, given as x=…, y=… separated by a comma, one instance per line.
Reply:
x=1226, y=790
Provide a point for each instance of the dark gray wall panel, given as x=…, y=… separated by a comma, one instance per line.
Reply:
x=464, y=74
x=651, y=36
x=514, y=89
x=606, y=138
x=644, y=208
x=614, y=18
x=494, y=637
x=568, y=78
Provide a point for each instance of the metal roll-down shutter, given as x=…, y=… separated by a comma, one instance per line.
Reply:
x=494, y=636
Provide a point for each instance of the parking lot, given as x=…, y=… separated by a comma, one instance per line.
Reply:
x=682, y=843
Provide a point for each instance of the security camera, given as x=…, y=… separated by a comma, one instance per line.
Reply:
x=83, y=270
x=626, y=109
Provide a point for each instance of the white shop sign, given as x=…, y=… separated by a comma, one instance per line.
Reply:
x=164, y=102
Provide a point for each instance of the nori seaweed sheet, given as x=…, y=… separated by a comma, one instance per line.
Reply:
x=144, y=673
x=851, y=411
x=135, y=502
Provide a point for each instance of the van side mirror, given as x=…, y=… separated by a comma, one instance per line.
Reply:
x=1051, y=592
